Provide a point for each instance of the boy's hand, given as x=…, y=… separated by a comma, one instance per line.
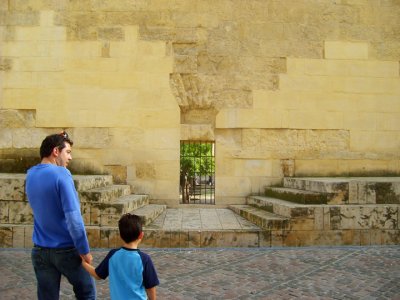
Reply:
x=87, y=258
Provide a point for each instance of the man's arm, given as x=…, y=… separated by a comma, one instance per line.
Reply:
x=151, y=293
x=90, y=269
x=73, y=218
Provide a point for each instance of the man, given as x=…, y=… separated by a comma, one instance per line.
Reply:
x=59, y=234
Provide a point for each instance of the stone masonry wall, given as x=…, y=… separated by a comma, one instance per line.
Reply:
x=294, y=87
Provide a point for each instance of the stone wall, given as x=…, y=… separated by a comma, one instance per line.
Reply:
x=294, y=87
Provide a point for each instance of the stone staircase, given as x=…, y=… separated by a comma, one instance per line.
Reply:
x=303, y=212
x=102, y=204
x=328, y=211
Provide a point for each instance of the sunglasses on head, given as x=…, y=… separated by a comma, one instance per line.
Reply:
x=64, y=134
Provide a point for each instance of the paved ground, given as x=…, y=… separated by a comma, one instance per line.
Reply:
x=259, y=273
x=201, y=219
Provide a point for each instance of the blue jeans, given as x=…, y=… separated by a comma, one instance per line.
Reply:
x=49, y=264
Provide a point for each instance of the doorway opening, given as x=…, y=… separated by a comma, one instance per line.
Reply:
x=197, y=172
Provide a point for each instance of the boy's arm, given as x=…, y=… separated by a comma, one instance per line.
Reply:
x=151, y=293
x=90, y=269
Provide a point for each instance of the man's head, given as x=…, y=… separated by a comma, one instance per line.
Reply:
x=58, y=147
x=130, y=227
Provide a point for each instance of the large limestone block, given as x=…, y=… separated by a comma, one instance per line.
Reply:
x=368, y=85
x=359, y=121
x=385, y=237
x=249, y=118
x=326, y=101
x=92, y=64
x=20, y=212
x=166, y=188
x=162, y=138
x=345, y=50
x=364, y=217
x=348, y=67
x=313, y=119
x=5, y=236
x=201, y=132
x=233, y=186
x=4, y=212
x=388, y=121
x=322, y=238
x=40, y=34
x=252, y=167
x=81, y=49
x=369, y=140
x=30, y=98
x=38, y=64
x=317, y=166
x=12, y=187
x=29, y=137
x=91, y=137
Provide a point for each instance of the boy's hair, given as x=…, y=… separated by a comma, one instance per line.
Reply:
x=130, y=227
x=52, y=141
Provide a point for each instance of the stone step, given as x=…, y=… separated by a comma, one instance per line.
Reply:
x=132, y=201
x=150, y=212
x=260, y=217
x=12, y=186
x=105, y=194
x=88, y=182
x=351, y=190
x=320, y=185
x=333, y=217
x=281, y=207
x=298, y=196
x=108, y=214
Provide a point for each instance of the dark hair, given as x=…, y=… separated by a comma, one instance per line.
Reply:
x=52, y=141
x=130, y=227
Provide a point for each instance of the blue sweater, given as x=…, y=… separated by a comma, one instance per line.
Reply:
x=57, y=217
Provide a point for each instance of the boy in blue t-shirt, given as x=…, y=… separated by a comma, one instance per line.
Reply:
x=132, y=273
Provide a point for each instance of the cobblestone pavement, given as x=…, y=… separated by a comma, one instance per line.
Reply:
x=258, y=273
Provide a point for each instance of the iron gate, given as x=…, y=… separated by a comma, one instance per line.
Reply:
x=197, y=172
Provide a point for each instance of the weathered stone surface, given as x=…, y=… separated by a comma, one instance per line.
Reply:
x=365, y=217
x=12, y=187
x=6, y=237
x=10, y=118
x=116, y=65
x=20, y=212
x=18, y=18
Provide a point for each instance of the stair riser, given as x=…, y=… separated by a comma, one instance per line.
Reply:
x=105, y=196
x=315, y=186
x=12, y=187
x=284, y=210
x=354, y=191
x=261, y=222
x=150, y=215
x=296, y=197
x=109, y=238
x=335, y=217
x=15, y=212
x=14, y=236
x=84, y=183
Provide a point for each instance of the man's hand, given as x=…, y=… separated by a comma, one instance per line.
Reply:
x=87, y=258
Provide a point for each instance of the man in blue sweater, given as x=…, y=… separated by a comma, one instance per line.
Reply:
x=59, y=234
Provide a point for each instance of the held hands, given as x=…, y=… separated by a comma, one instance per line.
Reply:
x=86, y=263
x=87, y=258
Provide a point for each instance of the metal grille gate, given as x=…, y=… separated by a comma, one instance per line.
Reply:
x=197, y=172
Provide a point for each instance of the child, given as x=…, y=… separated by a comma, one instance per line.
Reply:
x=132, y=273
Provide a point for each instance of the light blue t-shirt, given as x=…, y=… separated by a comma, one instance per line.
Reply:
x=131, y=273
